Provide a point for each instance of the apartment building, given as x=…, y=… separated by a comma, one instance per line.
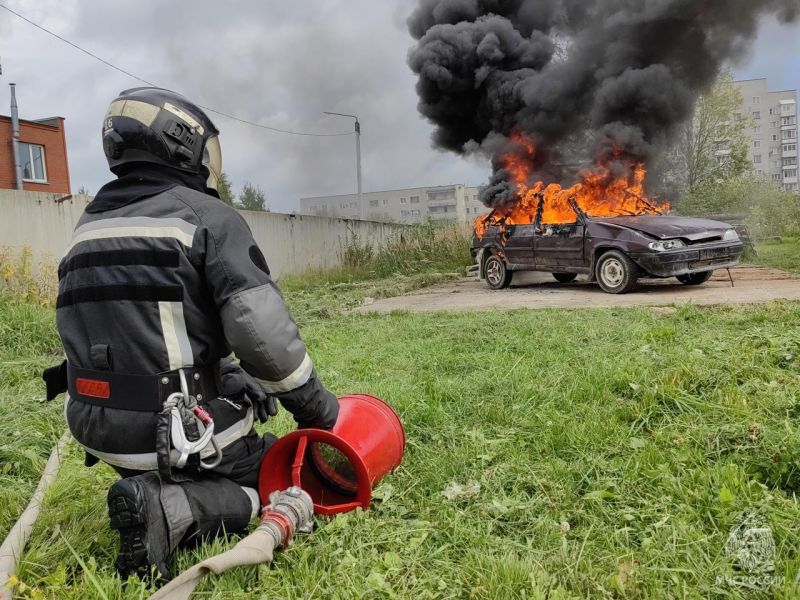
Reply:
x=458, y=203
x=772, y=131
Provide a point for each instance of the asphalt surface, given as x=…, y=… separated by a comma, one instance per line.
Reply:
x=539, y=290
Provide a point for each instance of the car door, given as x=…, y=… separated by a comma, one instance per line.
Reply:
x=519, y=245
x=559, y=247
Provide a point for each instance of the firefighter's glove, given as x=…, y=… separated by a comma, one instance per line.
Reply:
x=239, y=386
x=312, y=405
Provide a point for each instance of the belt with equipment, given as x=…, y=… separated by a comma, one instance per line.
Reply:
x=145, y=393
x=183, y=425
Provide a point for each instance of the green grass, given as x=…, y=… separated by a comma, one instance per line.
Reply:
x=595, y=453
x=783, y=254
x=29, y=427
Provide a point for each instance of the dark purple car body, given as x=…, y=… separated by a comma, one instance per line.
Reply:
x=614, y=251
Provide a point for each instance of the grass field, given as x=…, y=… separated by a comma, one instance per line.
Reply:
x=558, y=454
x=784, y=254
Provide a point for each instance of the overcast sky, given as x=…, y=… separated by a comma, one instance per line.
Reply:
x=275, y=62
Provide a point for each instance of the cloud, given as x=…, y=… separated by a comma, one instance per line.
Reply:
x=279, y=63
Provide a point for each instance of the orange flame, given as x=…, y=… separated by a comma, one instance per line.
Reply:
x=598, y=194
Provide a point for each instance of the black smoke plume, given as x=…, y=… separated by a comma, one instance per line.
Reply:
x=605, y=81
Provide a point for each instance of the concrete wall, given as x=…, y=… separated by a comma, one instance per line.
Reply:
x=292, y=244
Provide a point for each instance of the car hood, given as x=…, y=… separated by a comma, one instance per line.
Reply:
x=666, y=226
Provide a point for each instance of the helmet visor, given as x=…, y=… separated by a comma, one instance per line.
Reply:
x=212, y=160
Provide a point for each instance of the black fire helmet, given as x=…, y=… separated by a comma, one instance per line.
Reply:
x=155, y=125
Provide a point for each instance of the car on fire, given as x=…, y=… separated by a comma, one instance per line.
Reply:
x=614, y=251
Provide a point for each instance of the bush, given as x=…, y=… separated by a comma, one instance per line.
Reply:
x=768, y=209
x=425, y=247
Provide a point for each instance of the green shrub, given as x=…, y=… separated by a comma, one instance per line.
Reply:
x=422, y=248
x=768, y=209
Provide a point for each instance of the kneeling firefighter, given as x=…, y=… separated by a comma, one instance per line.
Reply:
x=161, y=282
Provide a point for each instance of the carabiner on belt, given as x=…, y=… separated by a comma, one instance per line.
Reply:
x=180, y=404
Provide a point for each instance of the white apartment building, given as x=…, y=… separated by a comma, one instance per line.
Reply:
x=457, y=203
x=773, y=134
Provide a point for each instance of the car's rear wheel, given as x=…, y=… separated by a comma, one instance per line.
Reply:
x=498, y=276
x=695, y=278
x=616, y=273
x=565, y=277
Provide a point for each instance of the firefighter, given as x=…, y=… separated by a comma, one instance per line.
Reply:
x=161, y=284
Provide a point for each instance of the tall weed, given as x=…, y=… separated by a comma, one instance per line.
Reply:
x=28, y=279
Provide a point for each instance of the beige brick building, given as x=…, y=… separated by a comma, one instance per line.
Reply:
x=772, y=139
x=458, y=203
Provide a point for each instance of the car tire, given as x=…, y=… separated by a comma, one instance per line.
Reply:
x=695, y=278
x=497, y=275
x=616, y=273
x=565, y=277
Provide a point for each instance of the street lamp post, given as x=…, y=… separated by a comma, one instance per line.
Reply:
x=358, y=159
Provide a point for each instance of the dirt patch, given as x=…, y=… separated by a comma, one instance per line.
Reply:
x=539, y=290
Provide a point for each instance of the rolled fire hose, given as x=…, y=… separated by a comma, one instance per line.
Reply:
x=288, y=511
x=14, y=544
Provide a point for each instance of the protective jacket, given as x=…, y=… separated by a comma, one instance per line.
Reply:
x=161, y=276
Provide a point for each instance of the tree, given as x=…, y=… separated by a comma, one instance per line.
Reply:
x=252, y=198
x=713, y=145
x=83, y=191
x=224, y=189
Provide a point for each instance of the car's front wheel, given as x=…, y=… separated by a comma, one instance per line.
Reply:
x=498, y=276
x=695, y=278
x=616, y=273
x=565, y=277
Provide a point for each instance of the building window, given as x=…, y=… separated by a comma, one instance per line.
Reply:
x=414, y=199
x=790, y=162
x=343, y=205
x=789, y=147
x=756, y=144
x=789, y=134
x=415, y=212
x=737, y=117
x=373, y=203
x=33, y=165
x=774, y=137
x=777, y=177
x=385, y=201
x=773, y=125
x=757, y=129
x=756, y=100
x=756, y=114
x=403, y=200
x=788, y=121
x=404, y=213
x=757, y=159
x=790, y=173
x=787, y=108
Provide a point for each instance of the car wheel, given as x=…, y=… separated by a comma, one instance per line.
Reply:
x=616, y=273
x=498, y=276
x=695, y=278
x=565, y=277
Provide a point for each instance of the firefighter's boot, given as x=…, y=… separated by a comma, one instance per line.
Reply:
x=154, y=518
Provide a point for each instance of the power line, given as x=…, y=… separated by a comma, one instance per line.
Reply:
x=151, y=84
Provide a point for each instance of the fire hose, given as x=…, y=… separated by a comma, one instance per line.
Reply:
x=288, y=511
x=15, y=541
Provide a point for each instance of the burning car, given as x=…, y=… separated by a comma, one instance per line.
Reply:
x=615, y=251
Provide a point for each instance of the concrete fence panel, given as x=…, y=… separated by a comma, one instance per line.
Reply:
x=292, y=244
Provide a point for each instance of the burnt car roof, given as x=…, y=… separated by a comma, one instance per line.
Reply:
x=668, y=226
